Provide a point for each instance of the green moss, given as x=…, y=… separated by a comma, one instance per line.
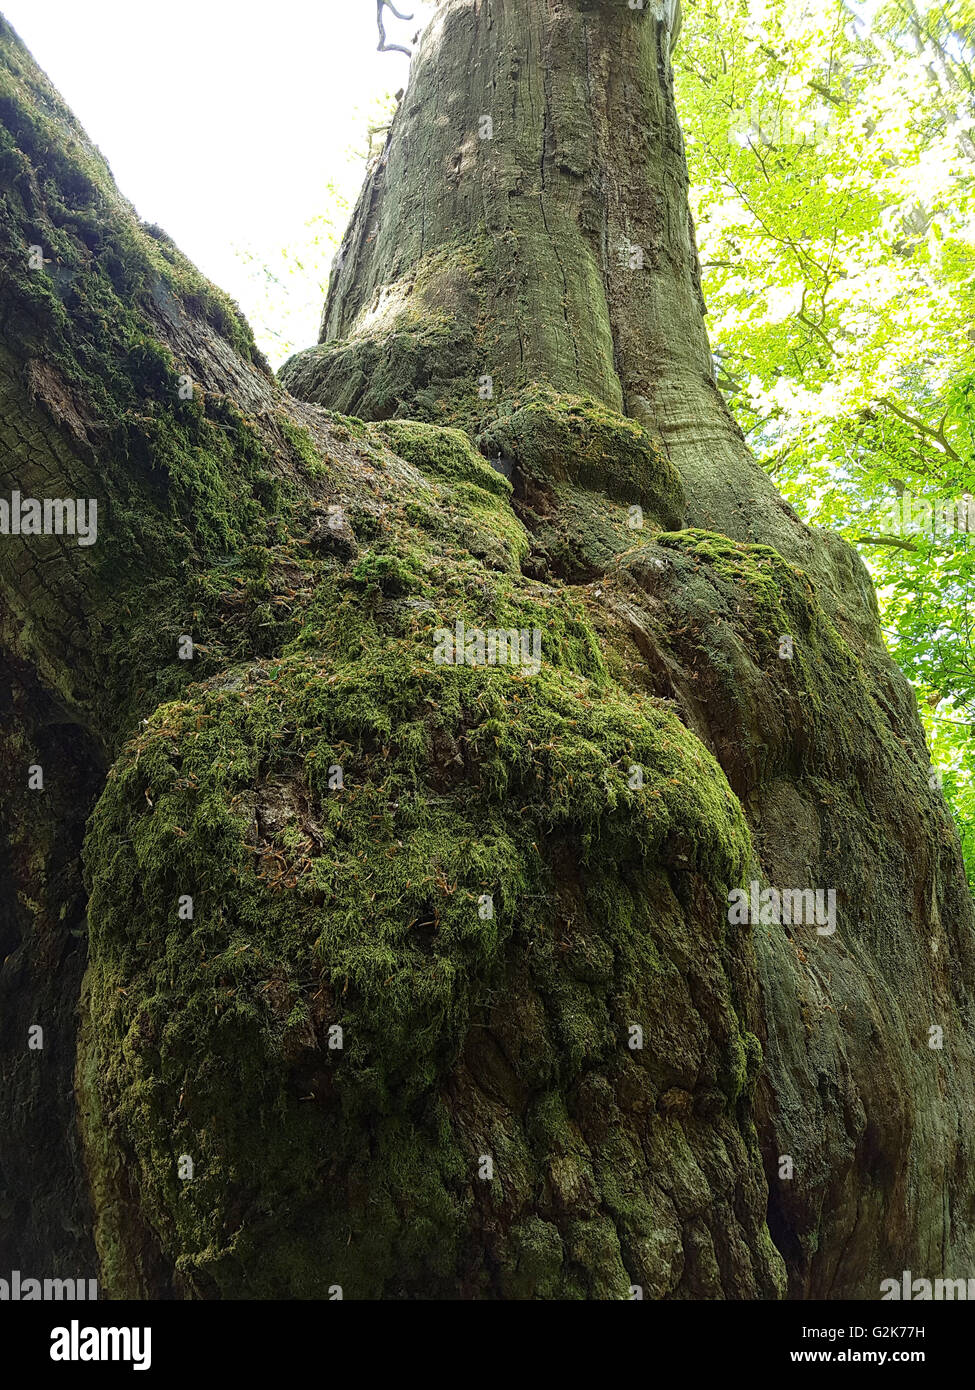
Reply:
x=356, y=902
x=420, y=357
x=535, y=1266
x=443, y=453
x=754, y=1058
x=359, y=906
x=304, y=448
x=50, y=164
x=387, y=573
x=570, y=439
x=181, y=483
x=738, y=602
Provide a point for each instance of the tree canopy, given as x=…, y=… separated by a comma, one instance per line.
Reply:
x=831, y=151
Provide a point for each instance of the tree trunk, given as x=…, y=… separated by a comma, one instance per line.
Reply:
x=410, y=962
x=528, y=222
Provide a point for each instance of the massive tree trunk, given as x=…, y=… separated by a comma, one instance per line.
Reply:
x=528, y=222
x=411, y=976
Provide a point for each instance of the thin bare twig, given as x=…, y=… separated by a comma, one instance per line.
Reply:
x=385, y=47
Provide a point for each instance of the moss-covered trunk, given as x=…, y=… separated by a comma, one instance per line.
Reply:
x=527, y=224
x=410, y=962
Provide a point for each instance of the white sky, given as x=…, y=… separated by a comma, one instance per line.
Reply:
x=224, y=120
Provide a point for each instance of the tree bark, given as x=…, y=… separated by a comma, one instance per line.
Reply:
x=528, y=221
x=415, y=976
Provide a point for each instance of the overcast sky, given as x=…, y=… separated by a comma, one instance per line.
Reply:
x=222, y=120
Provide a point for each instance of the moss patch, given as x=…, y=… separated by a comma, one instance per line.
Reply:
x=456, y=867
x=571, y=439
x=417, y=352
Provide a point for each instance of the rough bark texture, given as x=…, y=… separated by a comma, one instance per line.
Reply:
x=313, y=557
x=44, y=1211
x=559, y=249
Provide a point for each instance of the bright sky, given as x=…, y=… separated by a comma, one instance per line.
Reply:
x=224, y=120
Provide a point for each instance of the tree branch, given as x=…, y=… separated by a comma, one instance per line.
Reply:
x=886, y=540
x=385, y=47
x=936, y=434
